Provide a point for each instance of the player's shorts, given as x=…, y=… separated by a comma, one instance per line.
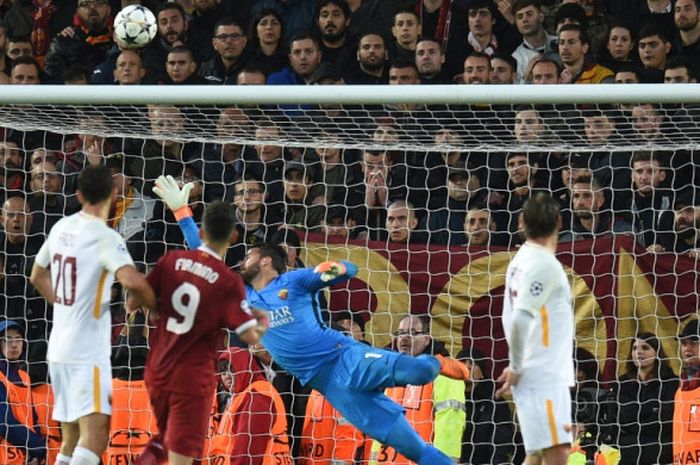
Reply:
x=355, y=386
x=183, y=420
x=542, y=413
x=80, y=389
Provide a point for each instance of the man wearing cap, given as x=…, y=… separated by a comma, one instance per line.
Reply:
x=686, y=225
x=21, y=438
x=340, y=222
x=686, y=414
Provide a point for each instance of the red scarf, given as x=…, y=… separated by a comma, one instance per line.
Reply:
x=91, y=39
x=442, y=28
x=41, y=35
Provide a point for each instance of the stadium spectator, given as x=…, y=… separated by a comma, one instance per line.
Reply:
x=628, y=74
x=88, y=45
x=680, y=70
x=648, y=122
x=570, y=13
x=573, y=47
x=25, y=70
x=230, y=54
x=266, y=39
x=435, y=411
x=503, y=69
x=619, y=48
x=640, y=13
x=686, y=444
x=543, y=71
x=351, y=324
x=686, y=224
x=304, y=58
x=12, y=178
x=479, y=226
x=529, y=19
x=371, y=64
x=403, y=72
x=181, y=67
x=402, y=224
x=645, y=402
x=19, y=46
x=251, y=76
x=446, y=223
x=202, y=28
x=687, y=21
x=654, y=49
x=268, y=162
x=446, y=22
x=340, y=222
x=172, y=32
x=589, y=220
x=253, y=427
x=600, y=125
x=332, y=20
x=47, y=199
x=406, y=31
x=300, y=210
x=477, y=69
x=129, y=69
x=297, y=17
x=339, y=169
x=430, y=61
x=488, y=33
x=529, y=126
x=489, y=434
x=22, y=441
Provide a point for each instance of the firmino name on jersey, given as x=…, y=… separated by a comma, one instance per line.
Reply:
x=197, y=269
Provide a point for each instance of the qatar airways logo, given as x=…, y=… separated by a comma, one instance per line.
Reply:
x=280, y=317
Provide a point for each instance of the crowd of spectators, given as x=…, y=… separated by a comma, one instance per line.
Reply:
x=441, y=198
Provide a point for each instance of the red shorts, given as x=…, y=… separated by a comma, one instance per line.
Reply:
x=183, y=420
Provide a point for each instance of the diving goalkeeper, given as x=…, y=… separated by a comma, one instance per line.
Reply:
x=351, y=375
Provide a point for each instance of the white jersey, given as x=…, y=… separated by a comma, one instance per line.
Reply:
x=536, y=282
x=83, y=254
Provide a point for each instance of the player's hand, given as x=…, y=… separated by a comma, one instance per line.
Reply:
x=168, y=189
x=509, y=378
x=330, y=270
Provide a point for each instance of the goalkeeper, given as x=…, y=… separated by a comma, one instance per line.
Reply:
x=351, y=375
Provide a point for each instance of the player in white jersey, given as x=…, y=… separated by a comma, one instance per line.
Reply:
x=538, y=322
x=74, y=271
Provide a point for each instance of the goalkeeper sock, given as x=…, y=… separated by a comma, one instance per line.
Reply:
x=405, y=440
x=83, y=456
x=62, y=459
x=415, y=370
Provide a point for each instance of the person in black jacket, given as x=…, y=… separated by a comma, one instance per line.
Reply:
x=489, y=437
x=232, y=54
x=645, y=400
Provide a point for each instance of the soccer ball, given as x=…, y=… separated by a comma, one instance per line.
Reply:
x=134, y=27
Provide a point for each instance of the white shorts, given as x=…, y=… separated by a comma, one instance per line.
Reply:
x=80, y=390
x=542, y=413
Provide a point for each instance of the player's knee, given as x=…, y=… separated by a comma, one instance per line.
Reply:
x=426, y=369
x=432, y=456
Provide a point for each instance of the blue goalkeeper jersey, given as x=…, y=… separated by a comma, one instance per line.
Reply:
x=296, y=337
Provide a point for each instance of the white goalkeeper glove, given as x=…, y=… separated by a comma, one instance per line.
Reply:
x=330, y=270
x=169, y=191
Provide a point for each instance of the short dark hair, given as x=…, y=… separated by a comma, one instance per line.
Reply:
x=25, y=60
x=228, y=22
x=652, y=29
x=520, y=4
x=629, y=68
x=478, y=4
x=401, y=63
x=582, y=34
x=541, y=216
x=275, y=252
x=406, y=10
x=219, y=221
x=22, y=38
x=342, y=4
x=95, y=184
x=304, y=35
x=76, y=72
x=647, y=155
x=681, y=61
x=512, y=62
x=172, y=6
x=371, y=33
x=183, y=49
x=481, y=55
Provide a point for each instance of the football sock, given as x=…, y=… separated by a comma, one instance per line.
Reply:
x=415, y=370
x=405, y=440
x=83, y=456
x=62, y=459
x=432, y=456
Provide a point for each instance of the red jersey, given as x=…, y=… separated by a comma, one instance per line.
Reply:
x=198, y=296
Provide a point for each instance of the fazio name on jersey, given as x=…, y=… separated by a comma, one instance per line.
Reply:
x=280, y=317
x=197, y=269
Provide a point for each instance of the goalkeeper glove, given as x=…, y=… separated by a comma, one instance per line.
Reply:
x=330, y=270
x=175, y=198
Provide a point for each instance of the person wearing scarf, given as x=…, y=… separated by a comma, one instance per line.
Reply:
x=88, y=45
x=686, y=415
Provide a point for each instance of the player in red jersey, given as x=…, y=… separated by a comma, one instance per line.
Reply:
x=198, y=296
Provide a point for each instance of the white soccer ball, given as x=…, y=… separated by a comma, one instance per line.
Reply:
x=134, y=26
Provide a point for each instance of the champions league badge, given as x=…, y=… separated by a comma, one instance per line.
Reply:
x=536, y=288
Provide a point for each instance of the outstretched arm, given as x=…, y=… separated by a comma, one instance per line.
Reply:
x=176, y=199
x=325, y=274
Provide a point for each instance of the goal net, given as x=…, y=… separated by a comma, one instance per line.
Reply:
x=421, y=189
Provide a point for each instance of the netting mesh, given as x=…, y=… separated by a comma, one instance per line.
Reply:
x=425, y=201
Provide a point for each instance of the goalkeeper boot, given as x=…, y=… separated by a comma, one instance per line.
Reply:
x=453, y=368
x=154, y=453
